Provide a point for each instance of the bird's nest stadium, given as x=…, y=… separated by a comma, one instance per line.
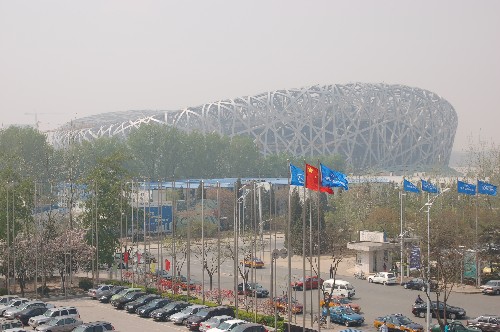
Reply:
x=372, y=126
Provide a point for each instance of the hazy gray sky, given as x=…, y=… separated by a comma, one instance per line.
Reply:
x=67, y=59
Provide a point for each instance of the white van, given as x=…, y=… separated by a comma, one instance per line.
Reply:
x=341, y=288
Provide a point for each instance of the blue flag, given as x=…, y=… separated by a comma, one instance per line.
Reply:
x=429, y=187
x=415, y=258
x=486, y=188
x=466, y=188
x=408, y=186
x=297, y=176
x=331, y=178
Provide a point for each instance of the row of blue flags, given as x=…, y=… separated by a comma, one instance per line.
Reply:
x=329, y=177
x=462, y=188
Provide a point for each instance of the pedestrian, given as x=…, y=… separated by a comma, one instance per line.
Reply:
x=331, y=271
x=447, y=327
x=383, y=327
x=385, y=268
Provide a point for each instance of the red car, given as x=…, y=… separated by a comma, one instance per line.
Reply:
x=310, y=283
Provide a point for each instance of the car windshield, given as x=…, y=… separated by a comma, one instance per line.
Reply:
x=403, y=320
x=344, y=300
x=170, y=306
x=48, y=313
x=203, y=312
x=154, y=302
x=390, y=275
x=348, y=311
x=491, y=283
x=187, y=310
x=226, y=325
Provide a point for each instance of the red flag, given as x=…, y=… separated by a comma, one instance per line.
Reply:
x=125, y=257
x=312, y=180
x=138, y=258
x=167, y=265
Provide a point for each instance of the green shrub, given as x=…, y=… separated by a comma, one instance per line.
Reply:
x=3, y=291
x=85, y=284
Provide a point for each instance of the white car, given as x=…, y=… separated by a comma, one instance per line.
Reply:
x=385, y=278
x=12, y=303
x=213, y=322
x=228, y=325
x=180, y=317
x=11, y=312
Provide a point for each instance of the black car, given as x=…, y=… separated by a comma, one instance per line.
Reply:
x=420, y=310
x=94, y=326
x=147, y=309
x=131, y=307
x=25, y=315
x=164, y=313
x=193, y=322
x=121, y=302
x=418, y=284
x=253, y=289
x=106, y=295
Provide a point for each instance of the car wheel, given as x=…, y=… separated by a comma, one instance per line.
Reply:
x=405, y=286
x=497, y=292
x=422, y=288
x=370, y=280
x=452, y=315
x=384, y=283
x=421, y=314
x=346, y=323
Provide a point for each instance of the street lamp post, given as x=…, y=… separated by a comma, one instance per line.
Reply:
x=429, y=203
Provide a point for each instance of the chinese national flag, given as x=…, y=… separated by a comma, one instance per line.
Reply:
x=167, y=265
x=312, y=180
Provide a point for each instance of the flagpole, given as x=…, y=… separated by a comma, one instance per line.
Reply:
x=289, y=250
x=320, y=176
x=401, y=236
x=478, y=274
x=304, y=297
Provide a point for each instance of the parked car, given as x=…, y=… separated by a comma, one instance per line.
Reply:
x=385, y=278
x=164, y=313
x=418, y=284
x=338, y=287
x=11, y=324
x=4, y=299
x=193, y=322
x=228, y=325
x=213, y=322
x=398, y=322
x=51, y=313
x=132, y=306
x=310, y=283
x=95, y=293
x=492, y=287
x=281, y=303
x=342, y=301
x=10, y=313
x=486, y=323
x=456, y=326
x=253, y=262
x=99, y=326
x=253, y=289
x=148, y=308
x=420, y=310
x=180, y=317
x=12, y=303
x=25, y=315
x=345, y=316
x=249, y=327
x=106, y=295
x=124, y=292
x=59, y=324
x=122, y=301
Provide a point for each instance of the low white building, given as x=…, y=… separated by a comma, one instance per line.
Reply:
x=373, y=252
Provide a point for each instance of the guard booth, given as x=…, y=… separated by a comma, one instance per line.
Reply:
x=373, y=252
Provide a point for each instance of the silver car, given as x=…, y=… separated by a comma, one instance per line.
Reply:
x=96, y=293
x=11, y=312
x=52, y=313
x=180, y=317
x=60, y=324
x=12, y=303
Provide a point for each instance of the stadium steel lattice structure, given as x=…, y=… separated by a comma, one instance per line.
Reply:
x=373, y=126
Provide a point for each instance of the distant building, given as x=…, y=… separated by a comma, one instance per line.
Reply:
x=374, y=127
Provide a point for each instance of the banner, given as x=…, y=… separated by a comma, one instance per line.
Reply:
x=486, y=188
x=466, y=188
x=470, y=269
x=429, y=187
x=415, y=262
x=408, y=186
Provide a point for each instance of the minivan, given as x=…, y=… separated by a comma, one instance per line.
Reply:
x=51, y=313
x=340, y=288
